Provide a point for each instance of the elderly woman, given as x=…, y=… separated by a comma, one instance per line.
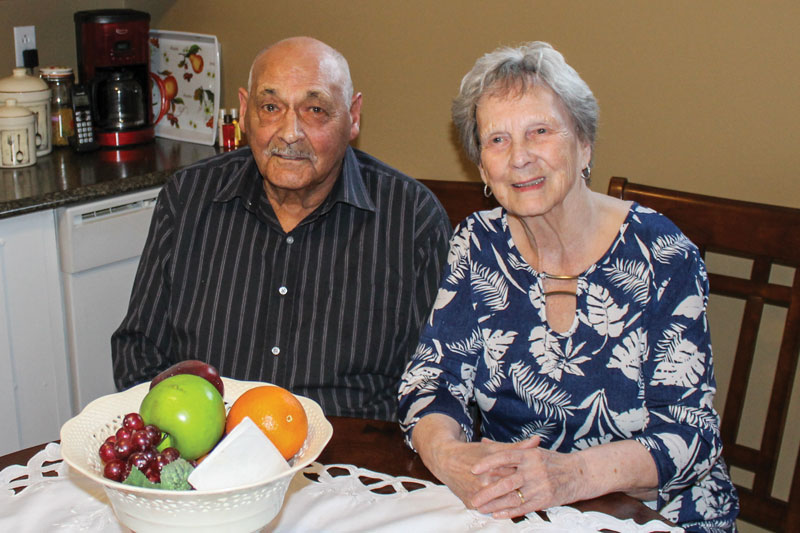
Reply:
x=575, y=322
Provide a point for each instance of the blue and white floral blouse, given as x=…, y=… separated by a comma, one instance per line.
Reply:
x=635, y=364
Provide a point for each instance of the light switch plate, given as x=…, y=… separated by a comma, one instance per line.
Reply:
x=24, y=39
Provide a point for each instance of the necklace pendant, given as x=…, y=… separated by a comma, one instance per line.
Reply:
x=559, y=277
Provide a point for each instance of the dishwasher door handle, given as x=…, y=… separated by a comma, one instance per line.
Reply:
x=104, y=232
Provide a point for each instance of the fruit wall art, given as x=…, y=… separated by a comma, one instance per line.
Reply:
x=187, y=65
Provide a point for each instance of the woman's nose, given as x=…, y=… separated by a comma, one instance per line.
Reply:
x=522, y=153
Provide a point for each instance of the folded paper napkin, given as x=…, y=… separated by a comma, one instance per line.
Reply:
x=341, y=498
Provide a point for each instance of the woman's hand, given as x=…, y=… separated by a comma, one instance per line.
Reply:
x=443, y=448
x=542, y=478
x=539, y=479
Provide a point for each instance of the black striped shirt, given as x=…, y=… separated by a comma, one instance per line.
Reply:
x=331, y=310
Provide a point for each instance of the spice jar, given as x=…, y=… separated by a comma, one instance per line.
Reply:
x=60, y=81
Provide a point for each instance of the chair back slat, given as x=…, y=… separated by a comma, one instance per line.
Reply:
x=460, y=198
x=767, y=235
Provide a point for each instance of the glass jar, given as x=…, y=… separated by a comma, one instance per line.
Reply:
x=60, y=81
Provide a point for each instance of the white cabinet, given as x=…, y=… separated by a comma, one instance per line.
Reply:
x=34, y=377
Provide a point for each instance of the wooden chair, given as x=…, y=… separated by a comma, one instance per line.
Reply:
x=767, y=235
x=460, y=198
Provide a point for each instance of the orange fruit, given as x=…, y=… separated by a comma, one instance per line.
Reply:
x=277, y=412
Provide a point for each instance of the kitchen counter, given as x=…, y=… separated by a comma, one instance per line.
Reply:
x=65, y=177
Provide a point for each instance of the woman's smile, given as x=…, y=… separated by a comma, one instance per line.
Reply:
x=530, y=183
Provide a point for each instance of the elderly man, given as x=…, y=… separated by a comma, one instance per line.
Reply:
x=299, y=260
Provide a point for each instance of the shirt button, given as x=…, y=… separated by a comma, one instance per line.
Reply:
x=276, y=350
x=283, y=291
x=289, y=239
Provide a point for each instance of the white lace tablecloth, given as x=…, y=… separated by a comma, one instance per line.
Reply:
x=340, y=498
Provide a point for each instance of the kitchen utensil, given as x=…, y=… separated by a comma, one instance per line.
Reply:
x=245, y=508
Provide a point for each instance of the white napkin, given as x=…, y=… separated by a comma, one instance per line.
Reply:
x=69, y=502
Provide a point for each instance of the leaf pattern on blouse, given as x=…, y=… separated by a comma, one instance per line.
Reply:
x=679, y=361
x=636, y=364
x=496, y=344
x=632, y=276
x=491, y=286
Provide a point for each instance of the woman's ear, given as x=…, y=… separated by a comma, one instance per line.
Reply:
x=482, y=173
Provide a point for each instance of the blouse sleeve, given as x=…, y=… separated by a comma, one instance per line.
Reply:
x=439, y=377
x=682, y=429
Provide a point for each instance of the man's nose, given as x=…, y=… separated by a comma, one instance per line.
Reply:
x=291, y=129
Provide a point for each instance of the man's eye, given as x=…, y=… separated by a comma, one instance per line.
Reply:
x=316, y=109
x=270, y=107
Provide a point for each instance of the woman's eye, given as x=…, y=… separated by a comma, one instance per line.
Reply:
x=496, y=140
x=541, y=131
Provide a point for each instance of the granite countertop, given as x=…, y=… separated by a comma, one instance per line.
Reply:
x=65, y=177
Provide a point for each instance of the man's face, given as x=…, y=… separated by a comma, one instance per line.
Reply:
x=296, y=118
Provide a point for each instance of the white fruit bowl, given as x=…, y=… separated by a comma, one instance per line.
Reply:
x=246, y=508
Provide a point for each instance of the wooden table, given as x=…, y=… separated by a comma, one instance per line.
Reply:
x=378, y=445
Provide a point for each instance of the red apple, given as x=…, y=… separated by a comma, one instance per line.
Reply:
x=192, y=366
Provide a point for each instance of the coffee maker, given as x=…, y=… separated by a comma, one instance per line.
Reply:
x=114, y=64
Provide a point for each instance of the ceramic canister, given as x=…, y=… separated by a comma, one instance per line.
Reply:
x=33, y=93
x=17, y=136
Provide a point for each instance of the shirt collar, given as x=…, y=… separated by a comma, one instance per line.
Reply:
x=247, y=184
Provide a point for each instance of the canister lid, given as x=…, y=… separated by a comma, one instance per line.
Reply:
x=12, y=110
x=20, y=82
x=55, y=72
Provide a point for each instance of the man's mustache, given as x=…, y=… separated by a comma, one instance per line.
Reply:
x=289, y=151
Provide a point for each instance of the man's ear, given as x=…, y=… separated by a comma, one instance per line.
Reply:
x=355, y=116
x=243, y=97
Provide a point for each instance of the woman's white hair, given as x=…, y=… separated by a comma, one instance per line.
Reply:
x=518, y=68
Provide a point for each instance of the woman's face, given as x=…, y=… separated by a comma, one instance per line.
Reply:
x=530, y=155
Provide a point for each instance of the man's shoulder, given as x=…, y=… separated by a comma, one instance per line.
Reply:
x=377, y=174
x=227, y=162
x=208, y=176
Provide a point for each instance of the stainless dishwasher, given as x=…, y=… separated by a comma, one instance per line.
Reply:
x=100, y=244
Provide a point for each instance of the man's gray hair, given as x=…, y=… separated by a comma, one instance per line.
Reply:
x=509, y=68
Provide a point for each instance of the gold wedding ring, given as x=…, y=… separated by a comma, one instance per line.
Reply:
x=521, y=497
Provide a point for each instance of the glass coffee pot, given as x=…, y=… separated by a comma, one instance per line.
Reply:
x=120, y=104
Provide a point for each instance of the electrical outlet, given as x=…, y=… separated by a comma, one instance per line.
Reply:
x=24, y=39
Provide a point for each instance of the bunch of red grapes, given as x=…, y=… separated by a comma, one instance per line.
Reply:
x=134, y=445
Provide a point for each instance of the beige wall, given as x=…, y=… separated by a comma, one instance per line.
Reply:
x=700, y=96
x=703, y=96
x=55, y=30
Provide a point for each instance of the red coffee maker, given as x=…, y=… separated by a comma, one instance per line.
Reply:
x=114, y=63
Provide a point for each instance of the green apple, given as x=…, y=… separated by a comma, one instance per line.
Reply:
x=190, y=410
